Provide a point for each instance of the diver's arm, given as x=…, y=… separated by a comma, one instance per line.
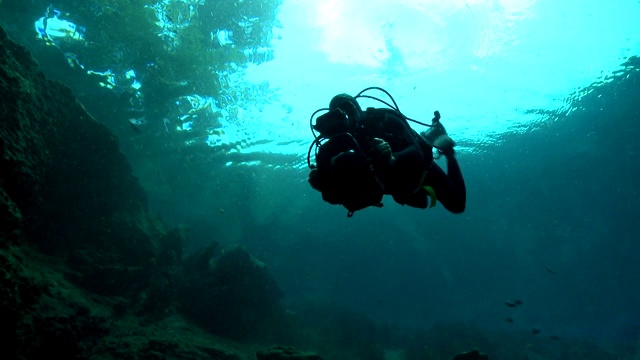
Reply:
x=404, y=172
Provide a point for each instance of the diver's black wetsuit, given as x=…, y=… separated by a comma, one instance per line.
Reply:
x=413, y=163
x=450, y=187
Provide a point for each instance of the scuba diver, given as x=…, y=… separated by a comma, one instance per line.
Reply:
x=363, y=155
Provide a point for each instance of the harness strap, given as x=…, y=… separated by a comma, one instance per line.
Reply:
x=432, y=195
x=430, y=191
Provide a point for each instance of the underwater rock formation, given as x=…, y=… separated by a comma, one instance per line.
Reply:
x=71, y=210
x=85, y=271
x=67, y=184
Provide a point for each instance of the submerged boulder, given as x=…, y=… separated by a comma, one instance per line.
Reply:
x=229, y=293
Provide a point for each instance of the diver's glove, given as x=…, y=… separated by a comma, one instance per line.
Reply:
x=437, y=136
x=381, y=154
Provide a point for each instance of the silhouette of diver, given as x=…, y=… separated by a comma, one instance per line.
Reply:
x=363, y=155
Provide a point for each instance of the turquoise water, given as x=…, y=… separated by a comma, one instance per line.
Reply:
x=211, y=102
x=483, y=64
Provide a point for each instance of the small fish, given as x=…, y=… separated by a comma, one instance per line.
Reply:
x=509, y=320
x=554, y=337
x=518, y=302
x=549, y=270
x=510, y=304
x=535, y=331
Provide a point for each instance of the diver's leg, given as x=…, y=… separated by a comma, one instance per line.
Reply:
x=450, y=187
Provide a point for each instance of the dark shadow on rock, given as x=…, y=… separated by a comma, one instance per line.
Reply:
x=286, y=353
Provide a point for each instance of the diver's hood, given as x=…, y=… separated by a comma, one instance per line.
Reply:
x=346, y=103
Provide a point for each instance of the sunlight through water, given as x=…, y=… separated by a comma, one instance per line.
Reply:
x=483, y=64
